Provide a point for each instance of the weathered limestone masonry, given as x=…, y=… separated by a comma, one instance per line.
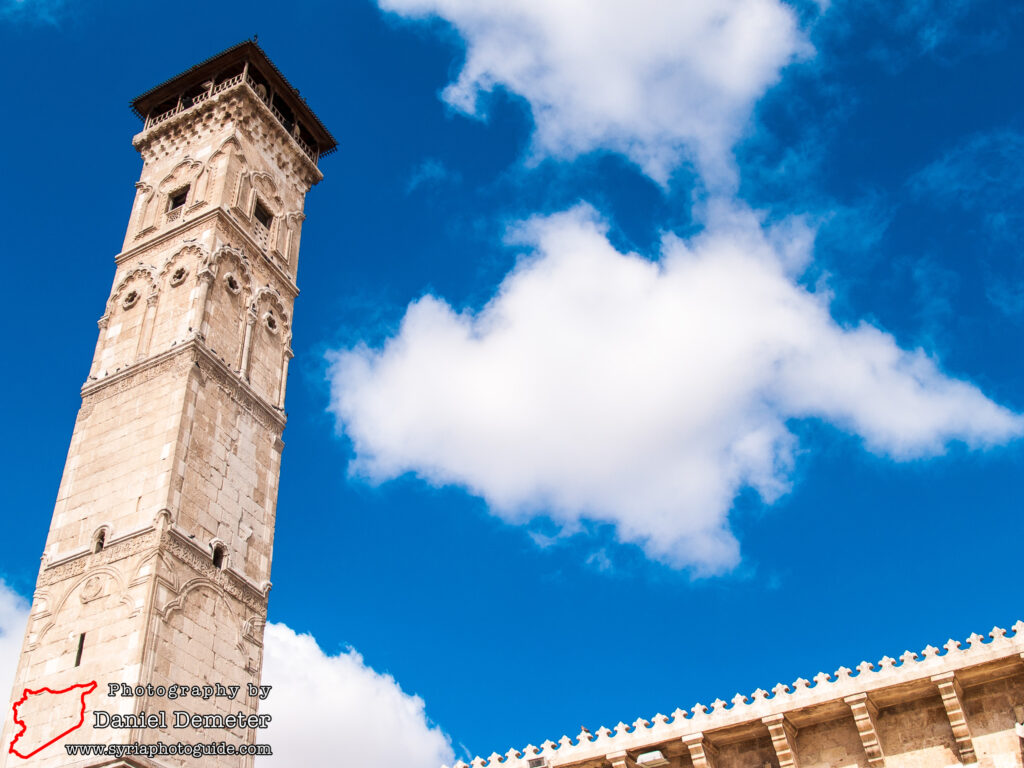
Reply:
x=157, y=564
x=949, y=707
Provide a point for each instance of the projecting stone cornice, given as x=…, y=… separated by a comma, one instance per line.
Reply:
x=175, y=231
x=252, y=248
x=182, y=357
x=781, y=713
x=189, y=551
x=76, y=562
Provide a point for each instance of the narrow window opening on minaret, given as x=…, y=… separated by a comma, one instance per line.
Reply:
x=101, y=540
x=177, y=199
x=263, y=216
x=218, y=556
x=81, y=645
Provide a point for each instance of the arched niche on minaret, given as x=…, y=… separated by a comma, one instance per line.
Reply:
x=175, y=193
x=144, y=200
x=177, y=277
x=269, y=342
x=228, y=295
x=218, y=183
x=126, y=326
x=266, y=208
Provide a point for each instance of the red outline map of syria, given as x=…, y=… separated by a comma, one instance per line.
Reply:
x=46, y=707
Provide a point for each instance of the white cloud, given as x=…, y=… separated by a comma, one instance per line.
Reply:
x=927, y=25
x=982, y=174
x=984, y=177
x=335, y=710
x=43, y=11
x=13, y=618
x=660, y=82
x=602, y=386
x=431, y=172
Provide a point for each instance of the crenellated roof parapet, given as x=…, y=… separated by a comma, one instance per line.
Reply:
x=890, y=681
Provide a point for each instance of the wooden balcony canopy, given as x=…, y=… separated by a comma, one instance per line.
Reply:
x=242, y=63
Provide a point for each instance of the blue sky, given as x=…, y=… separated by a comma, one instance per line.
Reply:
x=641, y=359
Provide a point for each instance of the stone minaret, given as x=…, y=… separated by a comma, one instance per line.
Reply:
x=157, y=564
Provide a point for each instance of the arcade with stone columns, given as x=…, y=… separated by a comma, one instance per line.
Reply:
x=157, y=564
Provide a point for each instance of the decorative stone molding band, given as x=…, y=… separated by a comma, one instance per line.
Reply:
x=183, y=358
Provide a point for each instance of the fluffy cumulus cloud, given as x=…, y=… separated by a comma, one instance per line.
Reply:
x=13, y=617
x=335, y=710
x=603, y=386
x=660, y=82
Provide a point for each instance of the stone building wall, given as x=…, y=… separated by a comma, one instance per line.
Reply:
x=227, y=490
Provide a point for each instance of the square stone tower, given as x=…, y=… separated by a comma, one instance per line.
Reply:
x=157, y=564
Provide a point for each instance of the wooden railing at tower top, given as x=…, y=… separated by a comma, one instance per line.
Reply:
x=184, y=105
x=288, y=124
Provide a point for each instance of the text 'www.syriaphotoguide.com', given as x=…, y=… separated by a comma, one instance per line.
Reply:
x=160, y=749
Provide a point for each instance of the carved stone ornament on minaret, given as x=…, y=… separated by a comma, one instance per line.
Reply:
x=156, y=568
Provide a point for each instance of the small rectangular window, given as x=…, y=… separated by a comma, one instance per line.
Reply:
x=177, y=199
x=262, y=215
x=81, y=645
